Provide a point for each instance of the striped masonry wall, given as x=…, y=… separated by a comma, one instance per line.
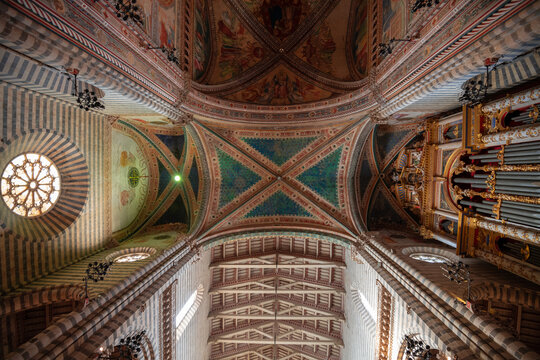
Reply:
x=360, y=279
x=191, y=344
x=513, y=72
x=23, y=110
x=487, y=339
x=31, y=74
x=25, y=36
x=133, y=303
x=506, y=294
x=424, y=318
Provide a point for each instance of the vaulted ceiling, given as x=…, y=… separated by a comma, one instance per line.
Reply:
x=291, y=178
x=280, y=52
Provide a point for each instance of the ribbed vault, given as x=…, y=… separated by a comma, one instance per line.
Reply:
x=277, y=297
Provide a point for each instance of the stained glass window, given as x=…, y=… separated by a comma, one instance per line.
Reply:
x=131, y=257
x=30, y=185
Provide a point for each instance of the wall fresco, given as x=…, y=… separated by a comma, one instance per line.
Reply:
x=201, y=42
x=359, y=36
x=280, y=87
x=319, y=48
x=129, y=184
x=236, y=47
x=394, y=20
x=160, y=20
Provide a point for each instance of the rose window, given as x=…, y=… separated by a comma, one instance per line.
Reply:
x=30, y=185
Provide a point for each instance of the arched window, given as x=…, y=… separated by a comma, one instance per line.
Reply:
x=187, y=311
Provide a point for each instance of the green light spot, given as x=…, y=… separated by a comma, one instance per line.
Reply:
x=177, y=178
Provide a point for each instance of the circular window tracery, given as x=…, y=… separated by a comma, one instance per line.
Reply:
x=30, y=185
x=131, y=257
x=429, y=258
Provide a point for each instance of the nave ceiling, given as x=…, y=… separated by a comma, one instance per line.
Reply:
x=277, y=52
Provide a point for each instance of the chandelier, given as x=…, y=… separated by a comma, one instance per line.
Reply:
x=86, y=99
x=419, y=4
x=127, y=9
x=474, y=91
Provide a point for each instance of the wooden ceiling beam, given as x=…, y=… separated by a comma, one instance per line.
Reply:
x=276, y=317
x=229, y=355
x=300, y=342
x=278, y=291
x=305, y=354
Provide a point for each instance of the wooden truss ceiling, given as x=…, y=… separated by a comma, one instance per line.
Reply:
x=277, y=298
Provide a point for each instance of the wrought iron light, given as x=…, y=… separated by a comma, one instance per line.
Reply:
x=127, y=9
x=459, y=273
x=417, y=349
x=86, y=99
x=129, y=348
x=475, y=91
x=386, y=48
x=169, y=52
x=95, y=272
x=419, y=4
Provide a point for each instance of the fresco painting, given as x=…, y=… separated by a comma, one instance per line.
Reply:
x=359, y=37
x=319, y=48
x=201, y=42
x=238, y=50
x=129, y=181
x=167, y=23
x=394, y=19
x=281, y=17
x=281, y=87
x=159, y=20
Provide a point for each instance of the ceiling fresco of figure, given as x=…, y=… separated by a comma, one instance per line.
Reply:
x=275, y=52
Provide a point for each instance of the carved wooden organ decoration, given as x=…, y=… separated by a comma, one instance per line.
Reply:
x=496, y=184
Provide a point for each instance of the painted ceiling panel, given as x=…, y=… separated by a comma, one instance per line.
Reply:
x=236, y=49
x=281, y=87
x=279, y=151
x=236, y=178
x=295, y=178
x=278, y=204
x=322, y=177
x=325, y=48
x=174, y=143
x=256, y=44
x=129, y=188
x=382, y=214
x=387, y=141
x=281, y=18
